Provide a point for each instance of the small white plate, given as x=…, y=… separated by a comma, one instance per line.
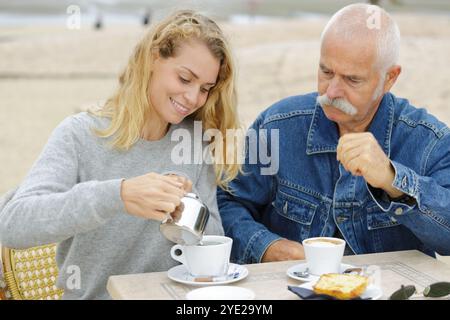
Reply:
x=221, y=293
x=302, y=267
x=374, y=292
x=236, y=272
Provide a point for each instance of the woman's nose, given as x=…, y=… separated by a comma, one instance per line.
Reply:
x=192, y=96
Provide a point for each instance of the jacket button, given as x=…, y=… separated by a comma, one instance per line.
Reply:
x=399, y=211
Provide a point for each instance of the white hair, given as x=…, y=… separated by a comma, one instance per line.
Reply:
x=362, y=20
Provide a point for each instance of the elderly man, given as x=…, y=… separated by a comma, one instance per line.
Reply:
x=355, y=161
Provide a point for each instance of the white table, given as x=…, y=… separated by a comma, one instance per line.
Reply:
x=269, y=280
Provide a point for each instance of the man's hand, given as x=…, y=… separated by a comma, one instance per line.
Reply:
x=361, y=155
x=284, y=250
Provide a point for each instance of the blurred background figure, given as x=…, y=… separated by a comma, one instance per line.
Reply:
x=253, y=6
x=379, y=2
x=98, y=22
x=146, y=19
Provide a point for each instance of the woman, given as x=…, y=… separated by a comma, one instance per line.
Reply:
x=99, y=190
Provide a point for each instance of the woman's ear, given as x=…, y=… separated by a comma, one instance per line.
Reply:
x=155, y=54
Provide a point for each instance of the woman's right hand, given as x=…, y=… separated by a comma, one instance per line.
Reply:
x=152, y=195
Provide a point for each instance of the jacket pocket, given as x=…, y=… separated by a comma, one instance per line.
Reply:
x=378, y=219
x=294, y=208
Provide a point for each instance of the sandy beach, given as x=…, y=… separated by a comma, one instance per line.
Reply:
x=48, y=72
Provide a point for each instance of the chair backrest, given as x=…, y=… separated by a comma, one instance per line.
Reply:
x=30, y=274
x=4, y=292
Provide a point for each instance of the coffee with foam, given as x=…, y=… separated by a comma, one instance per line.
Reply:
x=323, y=242
x=323, y=254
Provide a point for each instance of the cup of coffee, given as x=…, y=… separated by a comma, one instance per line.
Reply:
x=209, y=258
x=323, y=254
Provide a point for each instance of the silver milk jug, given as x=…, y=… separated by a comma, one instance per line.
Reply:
x=187, y=223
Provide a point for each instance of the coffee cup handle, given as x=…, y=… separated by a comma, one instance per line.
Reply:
x=178, y=257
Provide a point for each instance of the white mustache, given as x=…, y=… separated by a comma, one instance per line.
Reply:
x=338, y=103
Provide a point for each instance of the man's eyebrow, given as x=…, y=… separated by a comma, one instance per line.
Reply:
x=196, y=76
x=322, y=66
x=355, y=76
x=359, y=77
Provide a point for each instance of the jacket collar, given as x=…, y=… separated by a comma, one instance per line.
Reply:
x=323, y=134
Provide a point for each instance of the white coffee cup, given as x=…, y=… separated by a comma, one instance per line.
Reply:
x=323, y=254
x=210, y=258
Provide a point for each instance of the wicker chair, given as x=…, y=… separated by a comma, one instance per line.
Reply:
x=30, y=274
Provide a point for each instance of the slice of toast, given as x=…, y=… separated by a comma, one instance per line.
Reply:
x=341, y=286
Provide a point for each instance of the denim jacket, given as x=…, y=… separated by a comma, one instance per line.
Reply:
x=312, y=194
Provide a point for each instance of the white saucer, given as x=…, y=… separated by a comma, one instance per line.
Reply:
x=235, y=273
x=302, y=267
x=374, y=292
x=221, y=293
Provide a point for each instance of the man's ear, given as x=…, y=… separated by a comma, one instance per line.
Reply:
x=391, y=76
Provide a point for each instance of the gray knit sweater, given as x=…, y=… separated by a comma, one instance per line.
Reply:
x=71, y=196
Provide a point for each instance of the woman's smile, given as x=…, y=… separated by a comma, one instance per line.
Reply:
x=181, y=109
